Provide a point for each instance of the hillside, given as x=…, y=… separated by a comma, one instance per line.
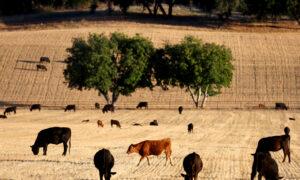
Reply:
x=267, y=67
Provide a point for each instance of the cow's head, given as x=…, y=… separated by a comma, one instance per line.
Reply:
x=186, y=177
x=35, y=149
x=131, y=149
x=108, y=175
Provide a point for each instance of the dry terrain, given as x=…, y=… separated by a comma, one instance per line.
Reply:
x=224, y=140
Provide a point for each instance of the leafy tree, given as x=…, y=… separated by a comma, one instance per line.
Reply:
x=124, y=5
x=112, y=65
x=201, y=68
x=293, y=8
x=225, y=7
x=15, y=7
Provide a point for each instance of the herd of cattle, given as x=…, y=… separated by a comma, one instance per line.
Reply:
x=263, y=162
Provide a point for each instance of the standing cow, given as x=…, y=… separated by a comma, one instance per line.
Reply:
x=70, y=107
x=180, y=109
x=108, y=107
x=41, y=67
x=53, y=135
x=280, y=105
x=44, y=59
x=35, y=107
x=10, y=109
x=142, y=104
x=3, y=116
x=115, y=122
x=190, y=128
x=192, y=165
x=104, y=162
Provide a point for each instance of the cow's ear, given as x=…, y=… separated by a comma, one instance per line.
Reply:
x=113, y=173
x=183, y=175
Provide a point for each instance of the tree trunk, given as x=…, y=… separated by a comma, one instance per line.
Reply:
x=147, y=7
x=170, y=9
x=204, y=98
x=195, y=100
x=109, y=6
x=115, y=96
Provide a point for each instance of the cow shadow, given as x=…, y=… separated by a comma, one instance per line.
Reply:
x=27, y=61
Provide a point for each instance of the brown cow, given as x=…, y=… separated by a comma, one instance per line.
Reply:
x=115, y=122
x=99, y=122
x=152, y=147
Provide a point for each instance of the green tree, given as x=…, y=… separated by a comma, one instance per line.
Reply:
x=114, y=65
x=201, y=68
x=293, y=8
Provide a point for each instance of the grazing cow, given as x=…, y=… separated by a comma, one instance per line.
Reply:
x=53, y=135
x=273, y=143
x=280, y=105
x=266, y=166
x=3, y=116
x=44, y=59
x=85, y=121
x=142, y=104
x=192, y=165
x=136, y=124
x=97, y=106
x=99, y=123
x=108, y=107
x=10, y=109
x=152, y=147
x=35, y=106
x=154, y=123
x=180, y=109
x=41, y=67
x=70, y=107
x=261, y=106
x=115, y=122
x=190, y=128
x=104, y=161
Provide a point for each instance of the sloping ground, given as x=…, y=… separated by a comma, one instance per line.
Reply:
x=267, y=67
x=224, y=140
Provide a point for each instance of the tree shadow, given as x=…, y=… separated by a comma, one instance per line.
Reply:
x=11, y=103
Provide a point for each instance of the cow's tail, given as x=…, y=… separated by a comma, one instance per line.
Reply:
x=70, y=145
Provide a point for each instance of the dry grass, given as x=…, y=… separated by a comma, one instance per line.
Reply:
x=224, y=140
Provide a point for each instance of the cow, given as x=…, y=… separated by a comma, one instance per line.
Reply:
x=44, y=59
x=190, y=128
x=85, y=121
x=192, y=165
x=35, y=106
x=108, y=107
x=154, y=123
x=280, y=105
x=261, y=106
x=70, y=107
x=3, y=116
x=273, y=143
x=152, y=147
x=97, y=106
x=53, y=135
x=104, y=162
x=10, y=109
x=99, y=123
x=142, y=104
x=115, y=122
x=41, y=67
x=180, y=109
x=266, y=166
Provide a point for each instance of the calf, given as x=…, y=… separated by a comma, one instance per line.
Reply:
x=104, y=161
x=10, y=109
x=154, y=123
x=192, y=165
x=180, y=109
x=152, y=147
x=190, y=128
x=280, y=105
x=99, y=123
x=41, y=67
x=44, y=59
x=115, y=122
x=70, y=107
x=108, y=107
x=97, y=106
x=273, y=143
x=266, y=166
x=53, y=135
x=35, y=106
x=3, y=116
x=142, y=104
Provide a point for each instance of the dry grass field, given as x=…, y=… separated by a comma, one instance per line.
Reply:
x=224, y=139
x=267, y=67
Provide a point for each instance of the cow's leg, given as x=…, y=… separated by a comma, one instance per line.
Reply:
x=259, y=176
x=286, y=151
x=140, y=160
x=65, y=148
x=148, y=160
x=168, y=156
x=45, y=149
x=101, y=175
x=195, y=176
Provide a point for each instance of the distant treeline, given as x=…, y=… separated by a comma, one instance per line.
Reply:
x=223, y=8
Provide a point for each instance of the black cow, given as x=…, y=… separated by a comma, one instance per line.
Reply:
x=10, y=109
x=190, y=127
x=192, y=165
x=35, y=106
x=44, y=59
x=180, y=109
x=267, y=166
x=97, y=105
x=115, y=122
x=41, y=67
x=70, y=107
x=142, y=104
x=53, y=135
x=108, y=107
x=154, y=123
x=280, y=105
x=104, y=162
x=3, y=116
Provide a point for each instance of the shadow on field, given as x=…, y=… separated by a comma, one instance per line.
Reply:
x=44, y=160
x=10, y=103
x=27, y=61
x=26, y=69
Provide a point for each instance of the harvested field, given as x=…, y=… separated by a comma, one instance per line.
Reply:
x=267, y=67
x=224, y=140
